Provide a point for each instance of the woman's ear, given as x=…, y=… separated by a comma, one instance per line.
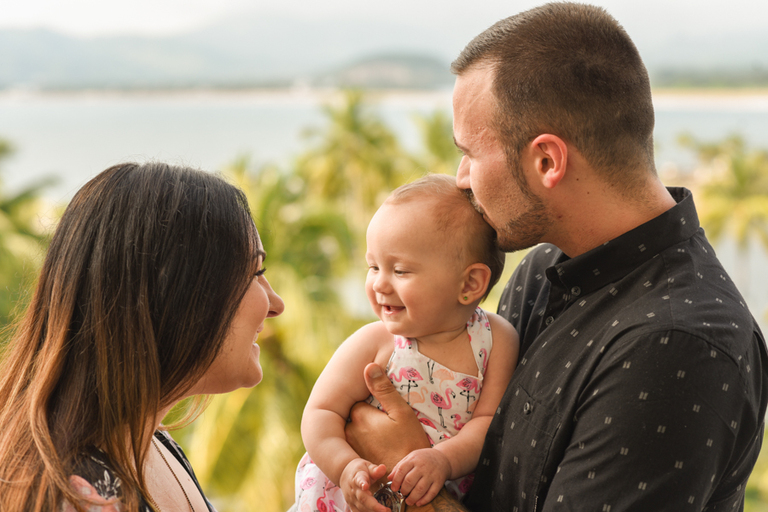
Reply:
x=474, y=283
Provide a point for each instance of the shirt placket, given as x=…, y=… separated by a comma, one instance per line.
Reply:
x=561, y=296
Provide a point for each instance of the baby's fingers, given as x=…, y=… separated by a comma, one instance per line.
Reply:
x=399, y=473
x=363, y=501
x=363, y=479
x=433, y=491
x=377, y=471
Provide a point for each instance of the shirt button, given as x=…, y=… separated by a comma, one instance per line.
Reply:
x=527, y=408
x=576, y=290
x=549, y=320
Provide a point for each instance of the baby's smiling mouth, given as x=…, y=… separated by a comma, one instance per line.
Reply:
x=391, y=309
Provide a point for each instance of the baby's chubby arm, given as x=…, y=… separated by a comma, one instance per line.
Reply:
x=422, y=473
x=341, y=385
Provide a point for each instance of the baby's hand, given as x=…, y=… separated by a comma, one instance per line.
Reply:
x=421, y=475
x=355, y=483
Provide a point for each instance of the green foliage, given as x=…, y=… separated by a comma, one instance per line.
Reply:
x=441, y=155
x=312, y=218
x=757, y=487
x=22, y=241
x=732, y=200
x=733, y=196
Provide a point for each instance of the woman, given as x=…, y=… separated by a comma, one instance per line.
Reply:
x=152, y=291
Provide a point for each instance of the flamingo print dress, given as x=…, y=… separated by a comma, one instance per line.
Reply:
x=442, y=399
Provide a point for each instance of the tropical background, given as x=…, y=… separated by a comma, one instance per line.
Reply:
x=317, y=113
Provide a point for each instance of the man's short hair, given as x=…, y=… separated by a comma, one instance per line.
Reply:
x=455, y=216
x=571, y=70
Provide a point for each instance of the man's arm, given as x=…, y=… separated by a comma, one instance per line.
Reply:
x=659, y=433
x=387, y=437
x=443, y=502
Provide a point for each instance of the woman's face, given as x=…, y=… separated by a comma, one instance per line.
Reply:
x=237, y=365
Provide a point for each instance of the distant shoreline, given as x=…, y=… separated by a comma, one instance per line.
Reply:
x=256, y=94
x=280, y=90
x=728, y=99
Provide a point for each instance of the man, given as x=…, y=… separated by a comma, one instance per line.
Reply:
x=642, y=378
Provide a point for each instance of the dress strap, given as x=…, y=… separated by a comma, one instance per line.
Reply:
x=392, y=357
x=480, y=339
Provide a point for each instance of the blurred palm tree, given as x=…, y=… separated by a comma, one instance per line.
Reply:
x=312, y=219
x=440, y=153
x=354, y=161
x=247, y=443
x=732, y=195
x=732, y=200
x=22, y=241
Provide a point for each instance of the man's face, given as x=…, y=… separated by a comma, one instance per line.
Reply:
x=507, y=203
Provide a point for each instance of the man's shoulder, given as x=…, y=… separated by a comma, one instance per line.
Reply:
x=532, y=270
x=541, y=257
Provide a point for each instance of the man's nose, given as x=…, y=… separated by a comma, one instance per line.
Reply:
x=462, y=173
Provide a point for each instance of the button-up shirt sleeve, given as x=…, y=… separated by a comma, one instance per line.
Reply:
x=642, y=382
x=655, y=426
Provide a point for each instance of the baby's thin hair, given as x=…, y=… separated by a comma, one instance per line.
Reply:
x=454, y=214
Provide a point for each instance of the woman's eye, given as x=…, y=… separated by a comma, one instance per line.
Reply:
x=260, y=272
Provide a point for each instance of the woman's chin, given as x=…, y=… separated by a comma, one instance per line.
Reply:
x=257, y=374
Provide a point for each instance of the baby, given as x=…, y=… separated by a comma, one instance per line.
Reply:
x=431, y=260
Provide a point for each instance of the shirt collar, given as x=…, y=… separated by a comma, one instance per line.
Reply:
x=614, y=259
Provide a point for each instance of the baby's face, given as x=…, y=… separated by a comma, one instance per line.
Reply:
x=414, y=272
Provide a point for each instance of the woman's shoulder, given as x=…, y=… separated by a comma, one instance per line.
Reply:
x=94, y=492
x=95, y=469
x=94, y=479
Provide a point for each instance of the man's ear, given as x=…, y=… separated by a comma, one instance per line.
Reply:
x=474, y=283
x=550, y=159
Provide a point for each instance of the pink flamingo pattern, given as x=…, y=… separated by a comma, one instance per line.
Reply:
x=410, y=374
x=432, y=399
x=442, y=403
x=468, y=385
x=457, y=423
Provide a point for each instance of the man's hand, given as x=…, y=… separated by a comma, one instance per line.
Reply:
x=421, y=475
x=355, y=483
x=384, y=437
x=387, y=437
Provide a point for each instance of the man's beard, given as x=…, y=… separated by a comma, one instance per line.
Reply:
x=522, y=232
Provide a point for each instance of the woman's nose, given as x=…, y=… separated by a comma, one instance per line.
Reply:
x=276, y=304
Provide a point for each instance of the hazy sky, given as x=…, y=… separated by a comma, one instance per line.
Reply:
x=642, y=18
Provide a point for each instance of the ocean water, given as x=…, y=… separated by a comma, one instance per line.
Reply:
x=76, y=135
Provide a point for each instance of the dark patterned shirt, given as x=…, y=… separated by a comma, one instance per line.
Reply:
x=641, y=384
x=95, y=469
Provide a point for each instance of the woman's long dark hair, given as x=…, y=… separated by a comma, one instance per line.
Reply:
x=141, y=281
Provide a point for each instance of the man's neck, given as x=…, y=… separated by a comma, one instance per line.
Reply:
x=590, y=222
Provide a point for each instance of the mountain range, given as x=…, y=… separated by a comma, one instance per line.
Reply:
x=272, y=51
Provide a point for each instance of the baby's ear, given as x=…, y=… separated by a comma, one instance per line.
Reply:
x=475, y=281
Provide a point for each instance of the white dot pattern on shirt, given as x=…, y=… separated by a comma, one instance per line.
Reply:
x=641, y=394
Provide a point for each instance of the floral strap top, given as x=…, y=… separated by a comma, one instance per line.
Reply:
x=95, y=479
